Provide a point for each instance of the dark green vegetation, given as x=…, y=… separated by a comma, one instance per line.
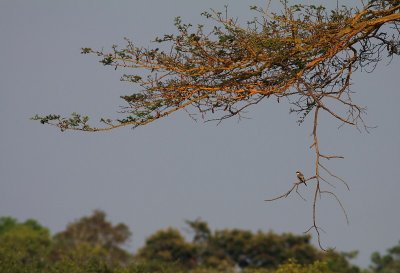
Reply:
x=93, y=244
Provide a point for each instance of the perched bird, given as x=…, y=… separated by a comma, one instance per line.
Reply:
x=301, y=178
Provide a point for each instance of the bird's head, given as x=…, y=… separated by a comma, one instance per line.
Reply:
x=298, y=172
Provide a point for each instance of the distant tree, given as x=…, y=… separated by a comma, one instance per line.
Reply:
x=168, y=247
x=93, y=236
x=340, y=261
x=261, y=250
x=24, y=246
x=388, y=263
x=228, y=249
x=200, y=230
x=304, y=55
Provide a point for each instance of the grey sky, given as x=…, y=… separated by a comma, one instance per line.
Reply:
x=175, y=169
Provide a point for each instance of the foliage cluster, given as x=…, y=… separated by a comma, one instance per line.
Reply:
x=305, y=54
x=93, y=244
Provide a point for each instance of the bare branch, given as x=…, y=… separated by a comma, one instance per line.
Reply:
x=340, y=203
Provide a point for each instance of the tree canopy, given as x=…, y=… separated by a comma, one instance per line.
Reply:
x=93, y=235
x=388, y=263
x=23, y=244
x=93, y=242
x=82, y=247
x=304, y=54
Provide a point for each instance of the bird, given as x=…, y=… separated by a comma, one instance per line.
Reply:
x=301, y=178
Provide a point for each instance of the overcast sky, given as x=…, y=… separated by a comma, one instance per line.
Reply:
x=176, y=169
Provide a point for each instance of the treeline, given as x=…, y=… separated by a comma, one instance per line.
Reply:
x=93, y=244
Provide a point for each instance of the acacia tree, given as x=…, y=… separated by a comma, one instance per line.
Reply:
x=93, y=236
x=304, y=54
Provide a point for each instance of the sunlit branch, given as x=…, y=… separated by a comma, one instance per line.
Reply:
x=303, y=54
